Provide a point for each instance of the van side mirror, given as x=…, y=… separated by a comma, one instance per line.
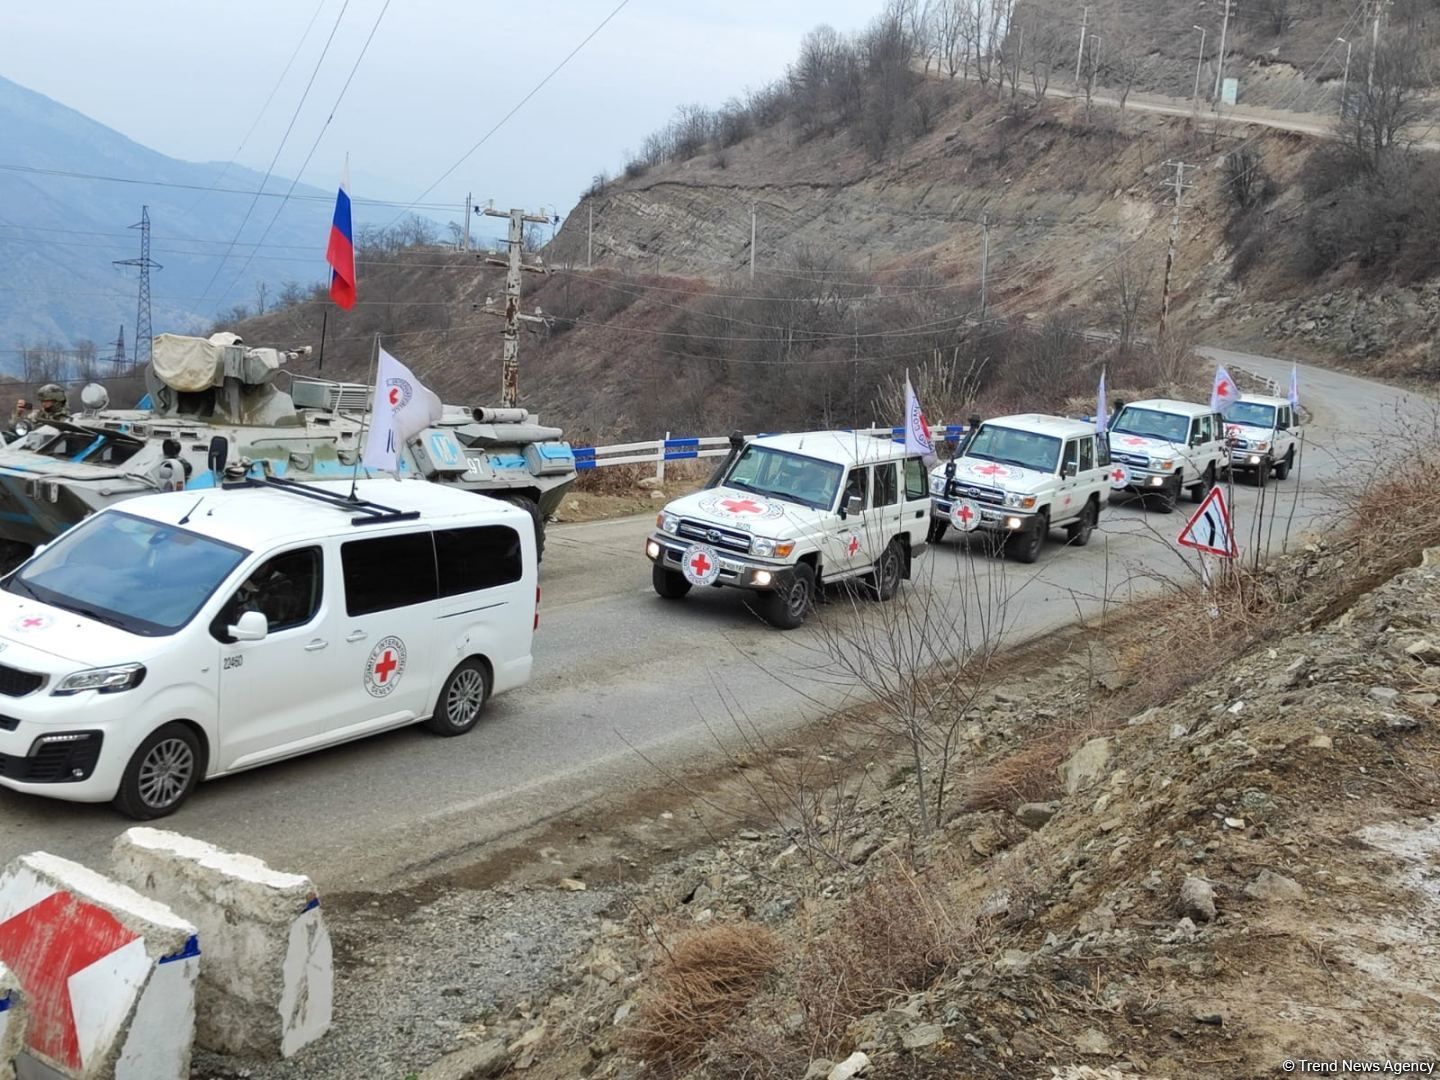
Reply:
x=219, y=454
x=251, y=626
x=1070, y=471
x=854, y=505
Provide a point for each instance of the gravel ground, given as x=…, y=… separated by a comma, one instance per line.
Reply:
x=407, y=986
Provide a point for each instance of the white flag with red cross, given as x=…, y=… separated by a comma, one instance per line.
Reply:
x=402, y=408
x=917, y=431
x=1224, y=393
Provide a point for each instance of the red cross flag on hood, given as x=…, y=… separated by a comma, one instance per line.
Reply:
x=402, y=408
x=1225, y=393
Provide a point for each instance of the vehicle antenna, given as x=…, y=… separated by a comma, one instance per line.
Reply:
x=192, y=510
x=360, y=444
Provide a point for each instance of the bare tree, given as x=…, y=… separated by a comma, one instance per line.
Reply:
x=1044, y=51
x=1127, y=63
x=1275, y=15
x=1388, y=101
x=262, y=293
x=1127, y=289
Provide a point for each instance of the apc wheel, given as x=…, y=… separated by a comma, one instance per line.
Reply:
x=1282, y=471
x=1200, y=490
x=937, y=531
x=786, y=606
x=1079, y=533
x=461, y=701
x=670, y=584
x=888, y=571
x=1025, y=547
x=162, y=772
x=531, y=507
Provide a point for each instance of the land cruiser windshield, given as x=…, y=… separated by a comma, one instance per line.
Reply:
x=1011, y=446
x=1152, y=424
x=1251, y=412
x=131, y=572
x=782, y=475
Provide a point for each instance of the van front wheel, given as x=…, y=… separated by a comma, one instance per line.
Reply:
x=462, y=700
x=162, y=772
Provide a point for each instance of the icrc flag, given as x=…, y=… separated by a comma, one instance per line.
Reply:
x=917, y=431
x=1224, y=393
x=402, y=408
x=340, y=253
x=1295, y=387
x=1102, y=414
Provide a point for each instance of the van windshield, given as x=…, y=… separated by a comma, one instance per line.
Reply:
x=1152, y=424
x=782, y=475
x=140, y=575
x=1011, y=446
x=1251, y=412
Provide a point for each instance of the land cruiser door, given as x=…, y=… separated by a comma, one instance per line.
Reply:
x=388, y=629
x=284, y=689
x=849, y=543
x=915, y=500
x=1091, y=480
x=1197, y=447
x=884, y=521
x=1068, y=497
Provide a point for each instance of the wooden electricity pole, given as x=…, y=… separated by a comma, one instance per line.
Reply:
x=514, y=267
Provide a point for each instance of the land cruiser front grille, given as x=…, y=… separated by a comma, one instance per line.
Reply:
x=1131, y=459
x=17, y=683
x=961, y=490
x=709, y=534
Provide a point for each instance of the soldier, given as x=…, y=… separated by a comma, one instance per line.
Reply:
x=52, y=403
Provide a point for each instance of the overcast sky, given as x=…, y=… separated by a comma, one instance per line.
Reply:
x=188, y=78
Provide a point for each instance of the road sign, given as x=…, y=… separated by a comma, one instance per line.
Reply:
x=1208, y=529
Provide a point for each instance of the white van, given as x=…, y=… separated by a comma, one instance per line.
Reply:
x=188, y=635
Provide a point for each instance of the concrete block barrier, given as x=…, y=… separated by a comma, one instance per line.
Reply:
x=107, y=977
x=12, y=1022
x=267, y=977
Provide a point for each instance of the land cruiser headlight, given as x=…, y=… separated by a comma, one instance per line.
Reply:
x=1020, y=502
x=937, y=485
x=1164, y=465
x=667, y=523
x=103, y=680
x=1260, y=446
x=771, y=549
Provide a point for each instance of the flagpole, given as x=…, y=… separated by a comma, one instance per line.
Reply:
x=360, y=447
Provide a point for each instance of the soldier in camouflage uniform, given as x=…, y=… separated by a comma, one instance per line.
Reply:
x=52, y=403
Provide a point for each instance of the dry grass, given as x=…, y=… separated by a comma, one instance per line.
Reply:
x=1028, y=775
x=704, y=981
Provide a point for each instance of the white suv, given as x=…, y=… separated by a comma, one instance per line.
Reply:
x=1261, y=432
x=1162, y=447
x=786, y=514
x=1020, y=476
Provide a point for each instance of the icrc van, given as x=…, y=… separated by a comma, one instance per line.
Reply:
x=1162, y=447
x=1261, y=432
x=186, y=636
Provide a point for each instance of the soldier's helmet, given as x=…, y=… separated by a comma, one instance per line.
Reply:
x=51, y=393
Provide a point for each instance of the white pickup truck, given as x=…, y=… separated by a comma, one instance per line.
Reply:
x=786, y=514
x=1161, y=447
x=1017, y=477
x=1261, y=432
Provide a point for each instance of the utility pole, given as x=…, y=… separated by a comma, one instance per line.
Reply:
x=1080, y=52
x=984, y=260
x=117, y=362
x=469, y=202
x=590, y=240
x=1180, y=188
x=1199, y=66
x=144, y=334
x=752, y=241
x=1220, y=57
x=1345, y=79
x=514, y=267
x=1374, y=43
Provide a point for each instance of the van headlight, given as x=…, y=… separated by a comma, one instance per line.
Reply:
x=771, y=549
x=937, y=485
x=667, y=523
x=103, y=680
x=1020, y=502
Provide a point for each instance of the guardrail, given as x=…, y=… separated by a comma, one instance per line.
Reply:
x=657, y=452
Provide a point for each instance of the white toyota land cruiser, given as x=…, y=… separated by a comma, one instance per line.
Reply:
x=1020, y=476
x=1261, y=431
x=786, y=514
x=1160, y=447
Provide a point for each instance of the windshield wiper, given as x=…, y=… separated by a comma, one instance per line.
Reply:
x=1020, y=464
x=91, y=613
x=29, y=589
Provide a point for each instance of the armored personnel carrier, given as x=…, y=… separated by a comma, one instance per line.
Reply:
x=213, y=412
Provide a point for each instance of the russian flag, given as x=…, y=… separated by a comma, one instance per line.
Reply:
x=341, y=252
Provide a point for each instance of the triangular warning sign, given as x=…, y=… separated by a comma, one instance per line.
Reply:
x=1209, y=529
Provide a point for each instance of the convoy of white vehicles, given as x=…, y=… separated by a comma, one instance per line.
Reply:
x=163, y=642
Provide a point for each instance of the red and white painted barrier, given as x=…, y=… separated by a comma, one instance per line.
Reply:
x=267, y=978
x=107, y=976
x=12, y=1022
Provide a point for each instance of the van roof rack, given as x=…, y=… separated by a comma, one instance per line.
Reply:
x=368, y=513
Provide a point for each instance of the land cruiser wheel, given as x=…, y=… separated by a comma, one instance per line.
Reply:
x=936, y=532
x=1169, y=496
x=1079, y=533
x=1200, y=490
x=1283, y=469
x=786, y=605
x=1025, y=547
x=888, y=571
x=531, y=507
x=163, y=771
x=461, y=701
x=1262, y=473
x=670, y=584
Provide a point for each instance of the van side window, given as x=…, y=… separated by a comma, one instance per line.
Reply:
x=857, y=487
x=917, y=484
x=285, y=589
x=1071, y=460
x=387, y=572
x=1102, y=458
x=484, y=557
x=887, y=491
x=1087, y=454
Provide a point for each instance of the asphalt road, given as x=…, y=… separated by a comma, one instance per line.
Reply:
x=619, y=672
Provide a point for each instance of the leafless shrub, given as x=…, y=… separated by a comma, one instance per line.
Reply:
x=1127, y=290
